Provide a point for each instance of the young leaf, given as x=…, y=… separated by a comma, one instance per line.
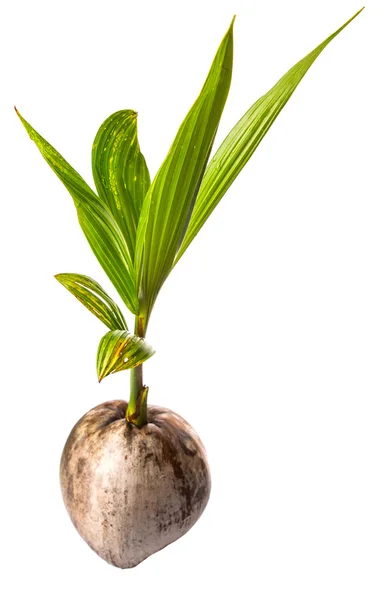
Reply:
x=170, y=199
x=93, y=296
x=98, y=224
x=120, y=172
x=243, y=140
x=120, y=350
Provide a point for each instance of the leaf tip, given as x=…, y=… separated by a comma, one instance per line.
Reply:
x=355, y=15
x=60, y=278
x=231, y=27
x=349, y=21
x=19, y=115
x=100, y=373
x=358, y=12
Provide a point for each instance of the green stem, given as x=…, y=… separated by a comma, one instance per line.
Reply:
x=136, y=412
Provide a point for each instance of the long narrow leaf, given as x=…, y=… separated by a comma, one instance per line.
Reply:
x=120, y=350
x=168, y=204
x=98, y=224
x=243, y=140
x=120, y=172
x=93, y=296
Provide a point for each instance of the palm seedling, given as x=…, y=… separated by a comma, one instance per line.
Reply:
x=135, y=478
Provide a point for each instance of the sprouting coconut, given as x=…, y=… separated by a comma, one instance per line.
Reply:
x=135, y=478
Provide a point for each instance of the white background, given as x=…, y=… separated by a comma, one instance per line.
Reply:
x=273, y=334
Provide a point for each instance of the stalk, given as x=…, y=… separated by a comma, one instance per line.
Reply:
x=136, y=412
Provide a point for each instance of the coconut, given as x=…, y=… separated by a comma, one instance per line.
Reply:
x=131, y=491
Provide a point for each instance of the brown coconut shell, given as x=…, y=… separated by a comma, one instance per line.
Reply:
x=132, y=491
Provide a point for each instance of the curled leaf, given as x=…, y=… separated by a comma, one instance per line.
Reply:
x=93, y=296
x=120, y=350
x=120, y=172
x=98, y=224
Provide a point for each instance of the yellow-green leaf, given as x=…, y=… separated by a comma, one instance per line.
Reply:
x=243, y=140
x=120, y=350
x=98, y=224
x=93, y=296
x=120, y=172
x=170, y=199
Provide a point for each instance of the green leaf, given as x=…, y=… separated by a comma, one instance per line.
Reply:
x=243, y=140
x=93, y=296
x=170, y=199
x=120, y=172
x=120, y=350
x=98, y=224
